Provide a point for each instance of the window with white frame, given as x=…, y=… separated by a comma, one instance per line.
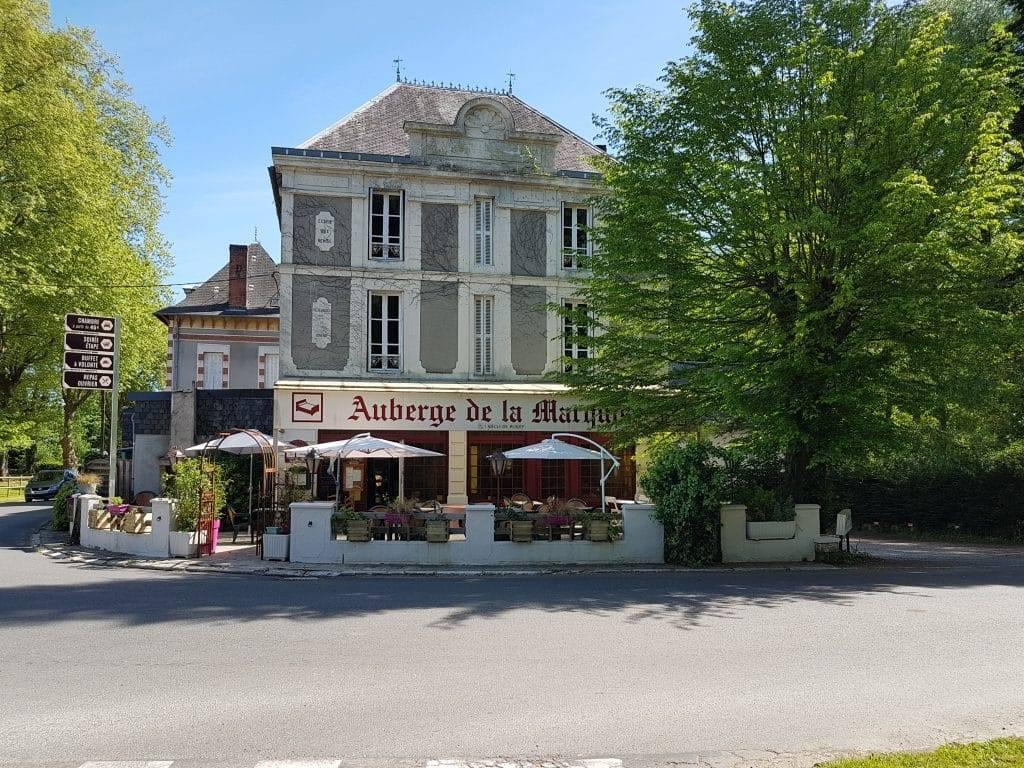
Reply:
x=213, y=370
x=483, y=227
x=575, y=235
x=575, y=332
x=386, y=225
x=385, y=332
x=270, y=367
x=483, y=335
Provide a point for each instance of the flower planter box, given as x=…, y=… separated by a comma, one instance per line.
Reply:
x=275, y=546
x=358, y=530
x=99, y=519
x=771, y=530
x=437, y=531
x=134, y=522
x=521, y=531
x=598, y=530
x=185, y=543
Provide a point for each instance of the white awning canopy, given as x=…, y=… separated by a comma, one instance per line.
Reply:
x=244, y=443
x=364, y=446
x=552, y=449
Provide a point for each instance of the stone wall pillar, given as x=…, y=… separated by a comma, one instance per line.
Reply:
x=183, y=418
x=458, y=451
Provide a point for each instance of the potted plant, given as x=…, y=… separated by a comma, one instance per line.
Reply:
x=87, y=482
x=436, y=527
x=190, y=478
x=117, y=510
x=99, y=517
x=597, y=526
x=357, y=528
x=520, y=527
x=134, y=520
x=340, y=518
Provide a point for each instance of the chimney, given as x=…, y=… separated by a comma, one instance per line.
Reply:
x=238, y=276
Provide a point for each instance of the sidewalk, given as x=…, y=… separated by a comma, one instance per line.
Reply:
x=244, y=565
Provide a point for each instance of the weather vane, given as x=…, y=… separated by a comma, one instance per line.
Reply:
x=511, y=79
x=398, y=69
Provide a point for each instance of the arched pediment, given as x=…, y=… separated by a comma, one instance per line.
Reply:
x=485, y=118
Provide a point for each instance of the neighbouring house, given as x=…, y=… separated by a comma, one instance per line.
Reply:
x=425, y=238
x=222, y=362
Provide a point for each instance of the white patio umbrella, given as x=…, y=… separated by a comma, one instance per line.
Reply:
x=246, y=443
x=553, y=449
x=362, y=446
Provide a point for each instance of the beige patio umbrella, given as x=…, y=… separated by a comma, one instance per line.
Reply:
x=553, y=449
x=362, y=446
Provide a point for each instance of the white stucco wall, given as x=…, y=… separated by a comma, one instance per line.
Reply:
x=152, y=544
x=770, y=542
x=642, y=542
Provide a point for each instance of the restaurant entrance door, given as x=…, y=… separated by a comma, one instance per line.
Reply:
x=382, y=477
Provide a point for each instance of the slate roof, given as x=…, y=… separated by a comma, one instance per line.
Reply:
x=211, y=297
x=377, y=126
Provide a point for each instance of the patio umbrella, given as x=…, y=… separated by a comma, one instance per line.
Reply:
x=553, y=449
x=362, y=446
x=247, y=443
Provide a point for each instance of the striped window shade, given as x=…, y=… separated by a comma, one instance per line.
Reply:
x=483, y=335
x=483, y=226
x=213, y=370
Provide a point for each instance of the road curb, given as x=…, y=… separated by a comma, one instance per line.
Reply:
x=98, y=558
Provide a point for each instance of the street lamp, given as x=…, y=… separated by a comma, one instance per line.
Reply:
x=498, y=465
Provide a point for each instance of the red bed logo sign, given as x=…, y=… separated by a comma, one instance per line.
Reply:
x=308, y=406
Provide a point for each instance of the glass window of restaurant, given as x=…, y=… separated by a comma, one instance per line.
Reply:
x=373, y=480
x=542, y=479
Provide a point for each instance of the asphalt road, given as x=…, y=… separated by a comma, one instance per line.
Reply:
x=105, y=664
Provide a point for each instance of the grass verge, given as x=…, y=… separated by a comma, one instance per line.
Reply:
x=1001, y=753
x=12, y=494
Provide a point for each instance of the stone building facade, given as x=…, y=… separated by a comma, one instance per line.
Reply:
x=425, y=239
x=222, y=364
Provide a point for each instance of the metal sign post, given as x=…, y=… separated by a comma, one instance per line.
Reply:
x=114, y=416
x=92, y=356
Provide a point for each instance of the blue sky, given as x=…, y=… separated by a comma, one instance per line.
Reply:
x=234, y=77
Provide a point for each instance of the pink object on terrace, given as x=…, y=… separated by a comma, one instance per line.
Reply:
x=396, y=518
x=118, y=509
x=559, y=519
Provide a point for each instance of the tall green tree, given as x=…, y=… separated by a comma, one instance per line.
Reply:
x=80, y=199
x=805, y=231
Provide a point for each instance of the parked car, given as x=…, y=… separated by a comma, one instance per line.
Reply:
x=45, y=483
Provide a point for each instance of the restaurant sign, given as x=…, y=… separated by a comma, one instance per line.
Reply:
x=378, y=411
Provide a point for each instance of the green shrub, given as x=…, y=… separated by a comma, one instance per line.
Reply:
x=184, y=484
x=763, y=504
x=60, y=519
x=687, y=483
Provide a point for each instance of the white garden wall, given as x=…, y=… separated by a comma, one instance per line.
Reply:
x=151, y=544
x=643, y=541
x=792, y=541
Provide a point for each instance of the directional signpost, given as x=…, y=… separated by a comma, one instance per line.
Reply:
x=92, y=346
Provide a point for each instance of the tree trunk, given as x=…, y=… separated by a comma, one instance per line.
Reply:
x=67, y=447
x=73, y=400
x=799, y=473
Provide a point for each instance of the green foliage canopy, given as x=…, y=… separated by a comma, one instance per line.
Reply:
x=805, y=231
x=80, y=185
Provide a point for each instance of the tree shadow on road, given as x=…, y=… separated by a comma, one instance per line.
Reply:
x=683, y=599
